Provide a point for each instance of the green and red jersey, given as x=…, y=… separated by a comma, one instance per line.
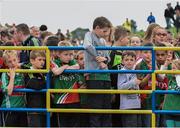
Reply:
x=65, y=81
x=16, y=99
x=172, y=101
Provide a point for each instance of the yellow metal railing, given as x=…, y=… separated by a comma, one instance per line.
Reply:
x=29, y=48
x=49, y=91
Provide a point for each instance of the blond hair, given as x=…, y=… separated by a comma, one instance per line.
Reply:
x=8, y=53
x=36, y=53
x=177, y=63
x=78, y=53
x=66, y=44
x=149, y=31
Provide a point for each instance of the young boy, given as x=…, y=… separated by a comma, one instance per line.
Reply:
x=161, y=84
x=36, y=81
x=121, y=38
x=11, y=81
x=129, y=82
x=66, y=81
x=98, y=60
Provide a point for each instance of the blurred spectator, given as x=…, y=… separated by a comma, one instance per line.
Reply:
x=177, y=7
x=127, y=24
x=34, y=30
x=43, y=28
x=68, y=35
x=60, y=35
x=169, y=14
x=151, y=18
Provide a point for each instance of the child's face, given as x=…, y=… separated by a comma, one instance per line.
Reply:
x=147, y=56
x=12, y=62
x=53, y=53
x=72, y=54
x=135, y=41
x=161, y=35
x=65, y=56
x=124, y=41
x=102, y=32
x=129, y=61
x=80, y=60
x=161, y=57
x=174, y=67
x=170, y=55
x=38, y=62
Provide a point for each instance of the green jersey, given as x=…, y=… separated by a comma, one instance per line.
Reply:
x=66, y=81
x=16, y=99
x=172, y=101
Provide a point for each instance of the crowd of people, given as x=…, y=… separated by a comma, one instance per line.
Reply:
x=102, y=34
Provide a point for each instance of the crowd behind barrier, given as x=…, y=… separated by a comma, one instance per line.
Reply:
x=111, y=78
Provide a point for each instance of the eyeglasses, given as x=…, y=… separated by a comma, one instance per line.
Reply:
x=161, y=34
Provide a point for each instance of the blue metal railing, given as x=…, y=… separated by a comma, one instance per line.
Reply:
x=95, y=71
x=154, y=102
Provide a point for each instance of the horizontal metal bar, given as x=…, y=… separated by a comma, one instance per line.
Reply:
x=166, y=92
x=100, y=91
x=166, y=111
x=109, y=111
x=167, y=72
x=108, y=71
x=80, y=71
x=100, y=48
x=167, y=48
x=23, y=48
x=26, y=70
x=24, y=109
x=27, y=90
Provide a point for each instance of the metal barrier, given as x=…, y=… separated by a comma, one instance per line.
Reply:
x=48, y=91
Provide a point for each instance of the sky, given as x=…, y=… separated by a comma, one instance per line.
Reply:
x=70, y=14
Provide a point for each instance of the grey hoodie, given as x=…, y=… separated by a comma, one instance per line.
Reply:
x=127, y=82
x=90, y=42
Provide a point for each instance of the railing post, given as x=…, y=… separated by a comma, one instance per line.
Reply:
x=48, y=122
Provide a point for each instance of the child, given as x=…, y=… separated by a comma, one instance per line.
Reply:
x=98, y=60
x=12, y=99
x=172, y=101
x=66, y=81
x=136, y=41
x=83, y=97
x=145, y=84
x=129, y=82
x=161, y=84
x=36, y=81
x=159, y=35
x=121, y=38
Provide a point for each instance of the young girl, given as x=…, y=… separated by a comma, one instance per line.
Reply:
x=172, y=100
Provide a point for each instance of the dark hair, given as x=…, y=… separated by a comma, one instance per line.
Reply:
x=43, y=27
x=5, y=33
x=23, y=28
x=102, y=22
x=9, y=44
x=128, y=53
x=52, y=41
x=160, y=45
x=120, y=32
x=149, y=44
